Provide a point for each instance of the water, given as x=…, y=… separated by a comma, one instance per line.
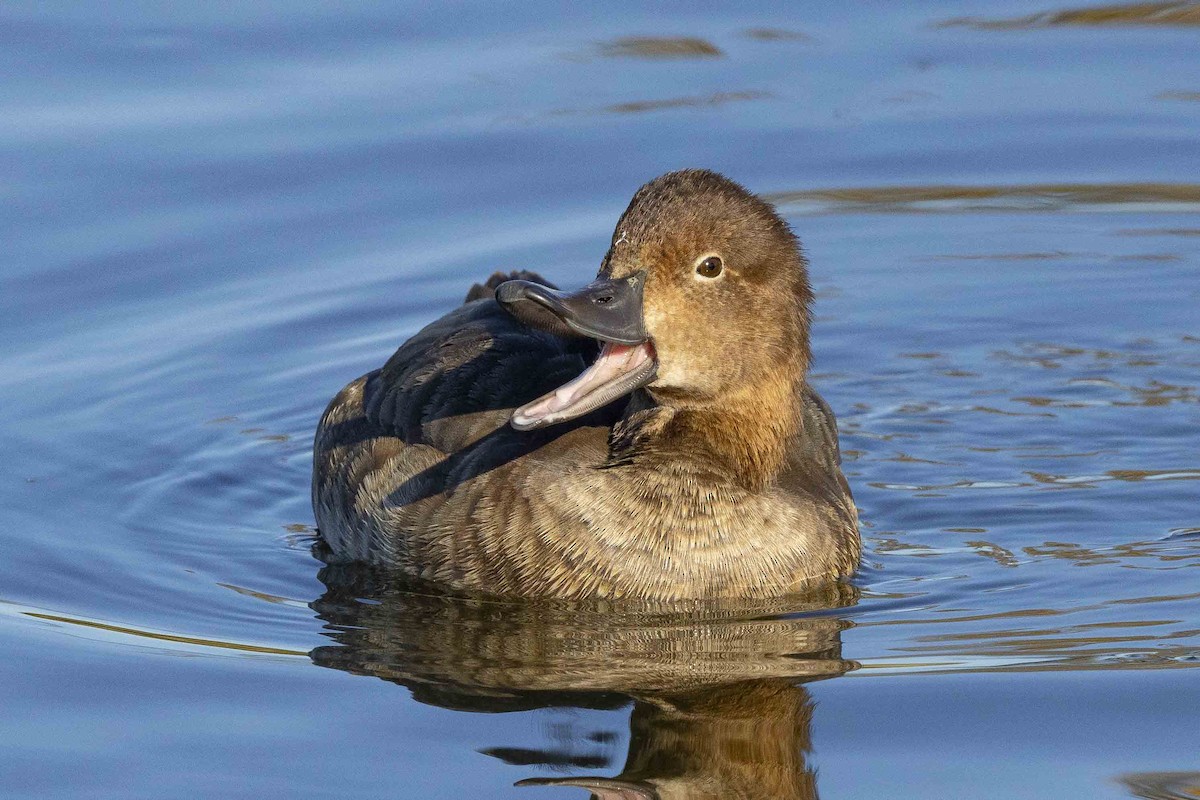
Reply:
x=214, y=217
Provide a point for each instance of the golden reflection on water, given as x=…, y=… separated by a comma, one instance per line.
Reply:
x=1051, y=646
x=1127, y=14
x=1130, y=475
x=1159, y=232
x=1056, y=255
x=162, y=637
x=1163, y=785
x=718, y=710
x=1164, y=551
x=1048, y=479
x=705, y=101
x=1058, y=197
x=1048, y=256
x=1179, y=548
x=776, y=35
x=660, y=47
x=693, y=102
x=1049, y=355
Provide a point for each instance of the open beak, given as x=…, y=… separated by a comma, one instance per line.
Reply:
x=608, y=310
x=602, y=788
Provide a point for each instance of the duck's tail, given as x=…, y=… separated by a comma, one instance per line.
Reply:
x=481, y=290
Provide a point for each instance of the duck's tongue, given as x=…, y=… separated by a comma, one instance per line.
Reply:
x=618, y=371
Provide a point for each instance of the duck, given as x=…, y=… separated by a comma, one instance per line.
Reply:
x=651, y=436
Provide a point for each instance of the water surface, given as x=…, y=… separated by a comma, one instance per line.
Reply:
x=215, y=217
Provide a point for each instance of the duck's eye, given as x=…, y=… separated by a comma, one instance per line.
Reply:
x=709, y=267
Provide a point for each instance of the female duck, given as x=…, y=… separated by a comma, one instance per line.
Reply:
x=682, y=454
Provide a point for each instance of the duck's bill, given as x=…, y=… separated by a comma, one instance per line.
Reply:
x=618, y=370
x=607, y=309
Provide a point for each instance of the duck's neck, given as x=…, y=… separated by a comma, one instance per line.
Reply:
x=745, y=436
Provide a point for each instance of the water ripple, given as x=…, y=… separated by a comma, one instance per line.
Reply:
x=1180, y=14
x=1048, y=197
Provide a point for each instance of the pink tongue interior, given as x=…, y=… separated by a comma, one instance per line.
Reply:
x=615, y=361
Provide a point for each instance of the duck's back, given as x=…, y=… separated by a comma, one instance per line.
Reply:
x=393, y=443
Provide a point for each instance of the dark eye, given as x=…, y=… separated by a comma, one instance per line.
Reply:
x=710, y=267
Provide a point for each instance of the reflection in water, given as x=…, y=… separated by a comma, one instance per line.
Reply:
x=745, y=740
x=1180, y=197
x=717, y=712
x=1171, y=14
x=1050, y=355
x=1050, y=256
x=706, y=101
x=1163, y=785
x=656, y=47
x=1133, y=475
x=776, y=35
x=158, y=637
x=1160, y=231
x=1072, y=481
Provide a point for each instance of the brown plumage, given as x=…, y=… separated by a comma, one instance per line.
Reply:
x=719, y=477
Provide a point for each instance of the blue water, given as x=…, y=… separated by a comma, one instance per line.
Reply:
x=215, y=216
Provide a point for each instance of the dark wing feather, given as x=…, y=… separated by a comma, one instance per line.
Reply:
x=460, y=377
x=814, y=465
x=431, y=418
x=820, y=426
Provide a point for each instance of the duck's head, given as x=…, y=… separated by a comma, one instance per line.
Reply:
x=702, y=297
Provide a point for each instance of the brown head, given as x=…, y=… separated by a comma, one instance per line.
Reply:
x=703, y=299
x=727, y=293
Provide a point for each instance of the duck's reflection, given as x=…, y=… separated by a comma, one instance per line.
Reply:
x=744, y=740
x=718, y=711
